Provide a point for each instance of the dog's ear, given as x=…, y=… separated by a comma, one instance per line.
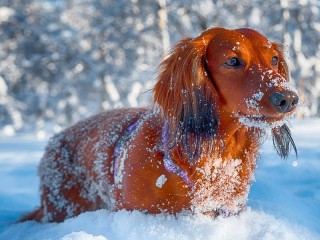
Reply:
x=282, y=64
x=184, y=94
x=282, y=140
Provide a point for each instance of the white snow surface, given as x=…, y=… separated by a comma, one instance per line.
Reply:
x=284, y=200
x=161, y=180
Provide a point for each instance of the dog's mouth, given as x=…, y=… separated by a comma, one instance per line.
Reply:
x=261, y=121
x=269, y=119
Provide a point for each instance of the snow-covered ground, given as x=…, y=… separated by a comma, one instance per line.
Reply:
x=284, y=202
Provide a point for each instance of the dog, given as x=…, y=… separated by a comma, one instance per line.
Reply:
x=216, y=96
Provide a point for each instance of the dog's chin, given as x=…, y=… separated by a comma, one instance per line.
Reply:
x=267, y=119
x=261, y=121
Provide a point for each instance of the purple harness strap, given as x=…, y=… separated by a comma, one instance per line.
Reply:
x=120, y=144
x=169, y=165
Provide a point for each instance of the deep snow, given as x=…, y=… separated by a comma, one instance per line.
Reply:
x=284, y=202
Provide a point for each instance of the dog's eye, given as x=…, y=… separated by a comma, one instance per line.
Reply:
x=233, y=62
x=275, y=60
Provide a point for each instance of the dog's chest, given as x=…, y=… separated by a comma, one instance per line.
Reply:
x=223, y=184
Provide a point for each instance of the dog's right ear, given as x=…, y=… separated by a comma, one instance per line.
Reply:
x=184, y=94
x=181, y=76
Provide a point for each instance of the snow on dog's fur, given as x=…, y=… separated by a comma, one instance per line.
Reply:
x=215, y=97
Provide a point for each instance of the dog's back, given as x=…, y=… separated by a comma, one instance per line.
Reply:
x=76, y=171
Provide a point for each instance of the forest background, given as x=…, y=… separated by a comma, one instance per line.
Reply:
x=61, y=61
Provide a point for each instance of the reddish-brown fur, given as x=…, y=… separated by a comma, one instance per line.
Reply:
x=199, y=101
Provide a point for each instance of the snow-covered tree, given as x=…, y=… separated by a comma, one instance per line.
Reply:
x=61, y=61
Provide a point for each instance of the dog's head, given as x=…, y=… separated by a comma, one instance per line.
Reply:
x=225, y=74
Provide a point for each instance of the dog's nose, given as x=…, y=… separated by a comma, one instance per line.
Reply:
x=284, y=101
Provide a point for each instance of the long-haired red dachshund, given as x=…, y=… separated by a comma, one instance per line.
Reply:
x=216, y=96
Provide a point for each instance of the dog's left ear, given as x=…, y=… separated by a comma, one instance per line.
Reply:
x=282, y=64
x=184, y=94
x=282, y=140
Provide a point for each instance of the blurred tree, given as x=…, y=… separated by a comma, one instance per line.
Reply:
x=63, y=60
x=301, y=33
